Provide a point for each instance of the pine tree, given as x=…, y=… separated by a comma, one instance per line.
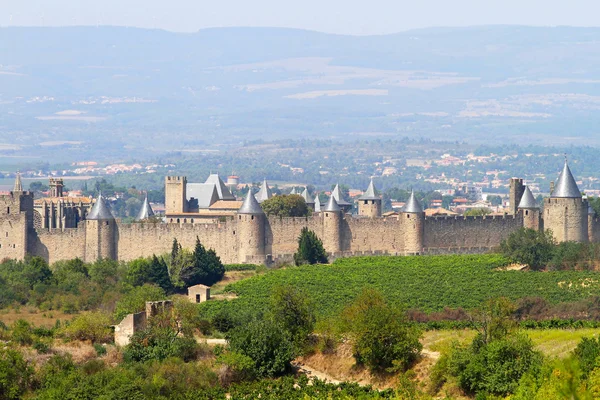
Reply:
x=174, y=250
x=310, y=249
x=206, y=268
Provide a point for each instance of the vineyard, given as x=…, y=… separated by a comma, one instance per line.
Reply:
x=426, y=283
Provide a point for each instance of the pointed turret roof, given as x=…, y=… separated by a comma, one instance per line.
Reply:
x=337, y=195
x=146, y=211
x=412, y=205
x=566, y=187
x=308, y=199
x=293, y=191
x=370, y=194
x=100, y=210
x=527, y=200
x=332, y=205
x=264, y=193
x=18, y=185
x=317, y=204
x=250, y=205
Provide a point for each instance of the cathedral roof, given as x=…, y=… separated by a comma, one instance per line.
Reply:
x=307, y=197
x=412, y=205
x=339, y=198
x=250, y=205
x=332, y=205
x=264, y=193
x=100, y=210
x=146, y=211
x=370, y=193
x=566, y=187
x=527, y=200
x=222, y=191
x=204, y=193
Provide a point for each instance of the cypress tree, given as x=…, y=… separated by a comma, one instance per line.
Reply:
x=206, y=269
x=310, y=249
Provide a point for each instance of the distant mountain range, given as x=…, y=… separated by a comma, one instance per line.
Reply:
x=123, y=90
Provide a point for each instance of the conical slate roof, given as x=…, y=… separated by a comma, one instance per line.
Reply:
x=146, y=211
x=264, y=193
x=250, y=205
x=337, y=195
x=293, y=191
x=566, y=187
x=100, y=210
x=307, y=197
x=527, y=200
x=317, y=204
x=18, y=185
x=370, y=193
x=412, y=205
x=332, y=205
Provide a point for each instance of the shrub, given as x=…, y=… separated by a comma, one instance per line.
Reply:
x=235, y=367
x=135, y=300
x=92, y=326
x=310, y=249
x=382, y=336
x=265, y=342
x=587, y=352
x=153, y=270
x=21, y=333
x=241, y=267
x=15, y=374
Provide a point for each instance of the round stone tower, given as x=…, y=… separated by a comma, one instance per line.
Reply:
x=369, y=204
x=332, y=226
x=100, y=229
x=591, y=216
x=529, y=210
x=565, y=211
x=413, y=219
x=251, y=231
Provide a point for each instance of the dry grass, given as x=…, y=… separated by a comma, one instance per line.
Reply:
x=34, y=316
x=230, y=277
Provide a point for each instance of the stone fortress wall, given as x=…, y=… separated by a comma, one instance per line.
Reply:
x=253, y=237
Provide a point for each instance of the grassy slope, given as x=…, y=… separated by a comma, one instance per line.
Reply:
x=428, y=283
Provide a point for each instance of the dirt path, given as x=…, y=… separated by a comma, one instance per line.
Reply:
x=212, y=342
x=313, y=373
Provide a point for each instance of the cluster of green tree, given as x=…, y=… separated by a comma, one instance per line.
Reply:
x=539, y=250
x=291, y=205
x=501, y=361
x=310, y=249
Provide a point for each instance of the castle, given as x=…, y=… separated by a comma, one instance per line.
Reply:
x=58, y=229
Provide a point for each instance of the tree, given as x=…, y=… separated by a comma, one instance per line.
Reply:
x=382, y=336
x=310, y=249
x=135, y=300
x=206, y=268
x=529, y=246
x=291, y=205
x=267, y=343
x=495, y=200
x=477, y=212
x=153, y=270
x=36, y=271
x=295, y=312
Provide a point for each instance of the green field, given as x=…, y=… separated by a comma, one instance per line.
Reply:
x=427, y=283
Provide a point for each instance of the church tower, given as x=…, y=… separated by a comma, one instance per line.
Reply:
x=565, y=211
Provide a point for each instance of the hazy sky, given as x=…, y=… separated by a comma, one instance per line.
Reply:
x=358, y=17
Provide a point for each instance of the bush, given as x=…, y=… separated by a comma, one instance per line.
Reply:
x=21, y=333
x=292, y=205
x=265, y=342
x=15, y=374
x=159, y=342
x=135, y=300
x=241, y=267
x=382, y=336
x=310, y=249
x=587, y=352
x=153, y=270
x=235, y=368
x=92, y=326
